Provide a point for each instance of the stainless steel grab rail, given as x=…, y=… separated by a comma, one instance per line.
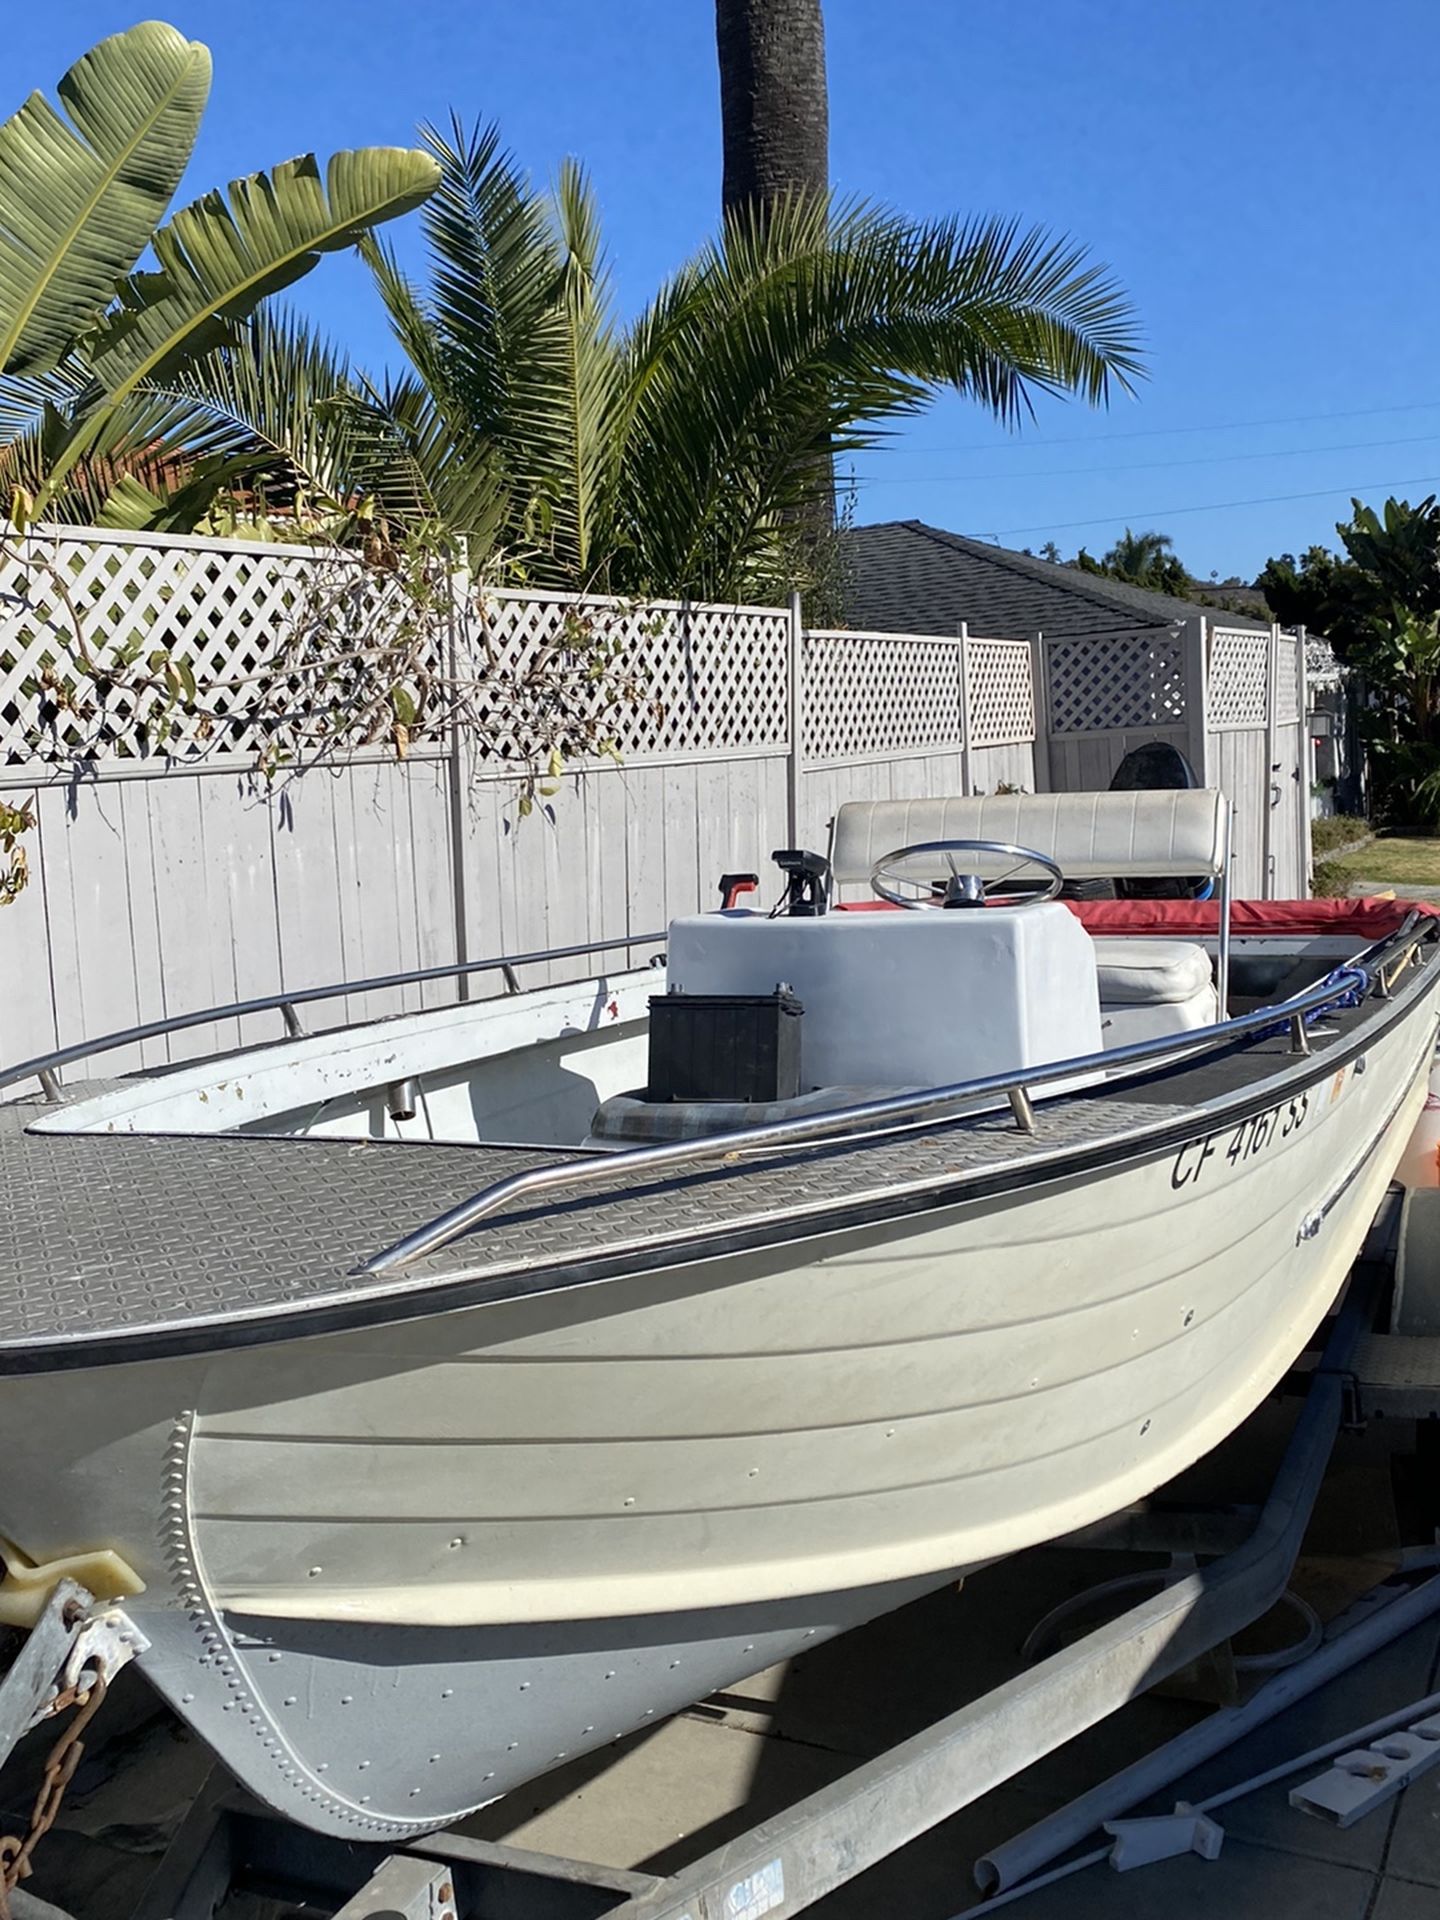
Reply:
x=1138, y=1055
x=44, y=1066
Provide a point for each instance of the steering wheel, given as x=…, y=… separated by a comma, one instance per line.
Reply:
x=965, y=887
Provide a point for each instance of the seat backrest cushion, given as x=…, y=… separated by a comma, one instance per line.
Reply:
x=1147, y=973
x=1160, y=834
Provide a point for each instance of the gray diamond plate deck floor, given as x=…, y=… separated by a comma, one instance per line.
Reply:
x=122, y=1232
x=119, y=1235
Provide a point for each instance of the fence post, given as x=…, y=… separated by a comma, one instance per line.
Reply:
x=794, y=765
x=457, y=600
x=962, y=661
x=1270, y=794
x=1307, y=763
x=1196, y=653
x=1040, y=701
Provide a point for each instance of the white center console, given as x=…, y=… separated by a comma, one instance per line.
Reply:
x=908, y=999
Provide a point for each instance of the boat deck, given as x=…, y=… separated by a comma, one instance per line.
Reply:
x=119, y=1232
x=129, y=1241
x=125, y=1238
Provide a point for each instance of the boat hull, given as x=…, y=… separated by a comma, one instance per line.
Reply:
x=386, y=1731
x=393, y=1572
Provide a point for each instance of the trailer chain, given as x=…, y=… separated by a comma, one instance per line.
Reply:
x=60, y=1766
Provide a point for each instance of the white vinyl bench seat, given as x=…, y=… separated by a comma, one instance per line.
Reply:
x=1150, y=973
x=1170, y=834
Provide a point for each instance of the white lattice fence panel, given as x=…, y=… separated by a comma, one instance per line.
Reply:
x=876, y=693
x=1107, y=681
x=999, y=692
x=1287, y=680
x=1322, y=669
x=227, y=615
x=249, y=622
x=1239, y=674
x=672, y=680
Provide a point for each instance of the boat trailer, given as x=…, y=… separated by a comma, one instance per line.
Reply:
x=228, y=1843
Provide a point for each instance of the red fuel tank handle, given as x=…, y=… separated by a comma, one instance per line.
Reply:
x=732, y=885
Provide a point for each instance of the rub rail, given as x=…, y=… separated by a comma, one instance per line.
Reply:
x=1381, y=959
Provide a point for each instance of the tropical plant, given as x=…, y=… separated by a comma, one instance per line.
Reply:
x=1143, y=560
x=674, y=454
x=1378, y=604
x=1402, y=661
x=1312, y=591
x=84, y=337
x=1359, y=599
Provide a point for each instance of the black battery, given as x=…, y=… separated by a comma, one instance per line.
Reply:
x=725, y=1046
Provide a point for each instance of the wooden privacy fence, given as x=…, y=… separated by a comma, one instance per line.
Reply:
x=1108, y=693
x=1232, y=699
x=891, y=716
x=163, y=881
x=1258, y=746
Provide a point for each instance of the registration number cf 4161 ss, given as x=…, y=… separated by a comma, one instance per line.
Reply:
x=1236, y=1145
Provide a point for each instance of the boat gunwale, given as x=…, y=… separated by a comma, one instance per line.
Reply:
x=425, y=1294
x=1117, y=1150
x=1117, y=1064
x=48, y=1064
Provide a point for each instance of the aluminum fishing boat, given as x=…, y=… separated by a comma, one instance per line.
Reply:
x=451, y=1394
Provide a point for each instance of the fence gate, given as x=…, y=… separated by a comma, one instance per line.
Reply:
x=1108, y=693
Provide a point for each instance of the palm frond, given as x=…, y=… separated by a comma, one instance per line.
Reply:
x=132, y=506
x=25, y=396
x=574, y=459
x=40, y=429
x=222, y=255
x=264, y=396
x=404, y=454
x=512, y=339
x=806, y=331
x=411, y=321
x=494, y=267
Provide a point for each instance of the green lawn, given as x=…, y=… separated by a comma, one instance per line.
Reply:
x=1397, y=861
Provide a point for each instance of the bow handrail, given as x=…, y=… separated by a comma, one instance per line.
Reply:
x=805, y=1128
x=48, y=1064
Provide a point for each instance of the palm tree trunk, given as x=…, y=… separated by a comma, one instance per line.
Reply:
x=775, y=124
x=774, y=108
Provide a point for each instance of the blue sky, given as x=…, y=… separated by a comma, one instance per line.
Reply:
x=1263, y=175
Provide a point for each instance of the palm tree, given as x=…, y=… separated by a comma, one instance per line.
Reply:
x=671, y=455
x=1147, y=560
x=774, y=108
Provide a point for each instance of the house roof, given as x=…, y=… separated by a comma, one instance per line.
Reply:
x=902, y=576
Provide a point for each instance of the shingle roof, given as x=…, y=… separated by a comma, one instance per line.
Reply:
x=905, y=577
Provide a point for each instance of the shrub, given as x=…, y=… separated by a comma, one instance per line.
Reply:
x=1331, y=881
x=1337, y=830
